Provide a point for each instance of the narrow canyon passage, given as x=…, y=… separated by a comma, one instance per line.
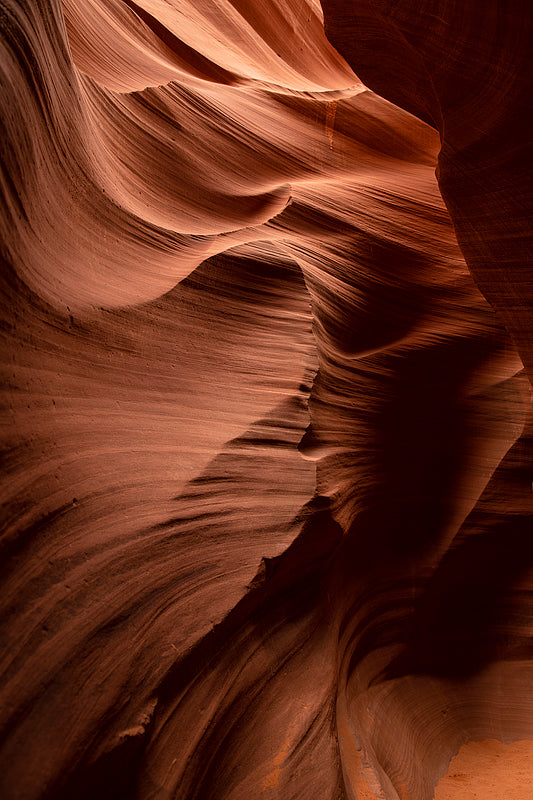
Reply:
x=267, y=311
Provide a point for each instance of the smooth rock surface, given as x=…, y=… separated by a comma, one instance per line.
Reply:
x=266, y=352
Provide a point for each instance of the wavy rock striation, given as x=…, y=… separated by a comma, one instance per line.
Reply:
x=267, y=435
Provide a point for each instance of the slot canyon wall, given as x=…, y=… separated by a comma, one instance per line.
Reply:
x=267, y=351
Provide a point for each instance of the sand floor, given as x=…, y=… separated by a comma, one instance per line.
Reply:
x=489, y=770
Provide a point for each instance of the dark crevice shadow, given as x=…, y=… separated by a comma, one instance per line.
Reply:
x=473, y=612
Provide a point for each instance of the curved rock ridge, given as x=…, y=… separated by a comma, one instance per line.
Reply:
x=228, y=42
x=465, y=69
x=267, y=437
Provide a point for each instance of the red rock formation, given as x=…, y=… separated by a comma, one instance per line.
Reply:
x=267, y=504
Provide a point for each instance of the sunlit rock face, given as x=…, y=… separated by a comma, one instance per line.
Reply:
x=267, y=442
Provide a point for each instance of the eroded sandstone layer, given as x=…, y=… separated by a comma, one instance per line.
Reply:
x=267, y=311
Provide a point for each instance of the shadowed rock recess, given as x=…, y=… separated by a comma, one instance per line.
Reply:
x=267, y=442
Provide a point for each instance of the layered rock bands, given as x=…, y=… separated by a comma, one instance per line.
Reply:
x=267, y=350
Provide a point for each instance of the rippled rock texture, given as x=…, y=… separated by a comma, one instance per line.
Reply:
x=266, y=352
